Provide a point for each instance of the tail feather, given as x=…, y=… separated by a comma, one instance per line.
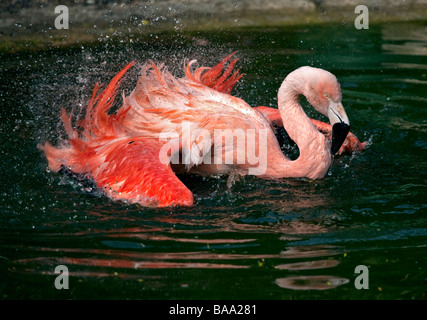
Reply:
x=97, y=120
x=219, y=77
x=66, y=122
x=97, y=126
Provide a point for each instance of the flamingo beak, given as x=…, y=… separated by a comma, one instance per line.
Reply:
x=340, y=125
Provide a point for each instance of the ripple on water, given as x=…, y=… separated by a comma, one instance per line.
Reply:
x=319, y=282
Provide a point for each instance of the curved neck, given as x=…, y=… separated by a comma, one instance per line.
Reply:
x=297, y=124
x=315, y=158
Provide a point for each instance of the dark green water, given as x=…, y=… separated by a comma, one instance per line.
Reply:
x=243, y=239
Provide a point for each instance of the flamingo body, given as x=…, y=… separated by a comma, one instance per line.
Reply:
x=121, y=152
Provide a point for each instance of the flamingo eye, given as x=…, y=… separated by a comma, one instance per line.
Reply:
x=325, y=95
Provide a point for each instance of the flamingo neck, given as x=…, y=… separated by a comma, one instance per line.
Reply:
x=315, y=158
x=295, y=121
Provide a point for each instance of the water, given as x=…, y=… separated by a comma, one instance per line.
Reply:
x=244, y=238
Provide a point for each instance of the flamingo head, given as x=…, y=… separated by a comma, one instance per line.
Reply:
x=323, y=92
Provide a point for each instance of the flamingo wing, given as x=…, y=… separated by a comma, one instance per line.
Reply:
x=197, y=104
x=132, y=171
x=162, y=102
x=125, y=167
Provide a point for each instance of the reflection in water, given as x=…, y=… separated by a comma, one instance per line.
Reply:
x=311, y=282
x=128, y=252
x=310, y=251
x=120, y=263
x=153, y=240
x=308, y=265
x=116, y=258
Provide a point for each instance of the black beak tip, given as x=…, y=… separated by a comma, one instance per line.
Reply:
x=339, y=133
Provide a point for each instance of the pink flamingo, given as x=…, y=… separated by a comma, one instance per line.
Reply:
x=120, y=152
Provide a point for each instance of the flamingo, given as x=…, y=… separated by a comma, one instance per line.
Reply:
x=120, y=152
